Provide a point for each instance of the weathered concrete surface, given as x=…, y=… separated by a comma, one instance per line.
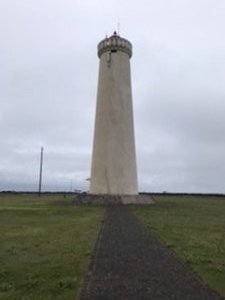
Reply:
x=113, y=169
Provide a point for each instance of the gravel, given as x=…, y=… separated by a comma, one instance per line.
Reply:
x=130, y=262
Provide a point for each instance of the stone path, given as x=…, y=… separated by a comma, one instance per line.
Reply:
x=131, y=263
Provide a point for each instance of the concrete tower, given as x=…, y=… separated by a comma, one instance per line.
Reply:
x=114, y=169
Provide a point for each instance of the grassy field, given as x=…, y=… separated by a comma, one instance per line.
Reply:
x=44, y=248
x=195, y=228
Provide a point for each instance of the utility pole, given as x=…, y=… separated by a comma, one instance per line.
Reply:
x=40, y=176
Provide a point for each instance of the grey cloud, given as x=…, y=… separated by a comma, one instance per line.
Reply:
x=48, y=83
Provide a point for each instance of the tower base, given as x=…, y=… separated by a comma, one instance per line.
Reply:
x=91, y=199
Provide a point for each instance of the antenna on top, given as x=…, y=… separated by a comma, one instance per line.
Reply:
x=118, y=28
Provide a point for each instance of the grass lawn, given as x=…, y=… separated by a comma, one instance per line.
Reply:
x=44, y=248
x=195, y=228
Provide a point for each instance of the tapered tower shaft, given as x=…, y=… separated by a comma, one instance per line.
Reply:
x=113, y=169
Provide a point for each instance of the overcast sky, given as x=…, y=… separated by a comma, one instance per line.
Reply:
x=48, y=85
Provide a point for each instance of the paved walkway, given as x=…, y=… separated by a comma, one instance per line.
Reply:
x=131, y=263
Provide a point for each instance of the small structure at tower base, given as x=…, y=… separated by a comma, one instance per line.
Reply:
x=89, y=199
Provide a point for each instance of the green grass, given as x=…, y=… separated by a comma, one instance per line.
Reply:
x=195, y=228
x=44, y=248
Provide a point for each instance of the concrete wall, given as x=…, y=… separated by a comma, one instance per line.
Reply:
x=114, y=159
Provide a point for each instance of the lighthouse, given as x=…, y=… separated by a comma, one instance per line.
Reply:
x=114, y=170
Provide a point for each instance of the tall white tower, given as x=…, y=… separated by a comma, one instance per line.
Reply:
x=114, y=169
